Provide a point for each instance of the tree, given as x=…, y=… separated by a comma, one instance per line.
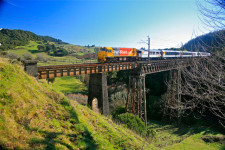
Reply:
x=48, y=48
x=41, y=47
x=213, y=13
x=205, y=87
x=202, y=87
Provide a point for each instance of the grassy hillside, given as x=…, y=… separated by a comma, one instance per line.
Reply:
x=35, y=116
x=32, y=49
x=48, y=50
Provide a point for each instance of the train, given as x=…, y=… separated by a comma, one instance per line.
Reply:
x=118, y=54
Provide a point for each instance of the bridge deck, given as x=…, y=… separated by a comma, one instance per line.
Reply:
x=46, y=72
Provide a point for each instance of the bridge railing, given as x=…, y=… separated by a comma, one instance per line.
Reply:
x=46, y=72
x=68, y=70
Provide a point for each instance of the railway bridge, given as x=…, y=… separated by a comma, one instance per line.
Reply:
x=136, y=99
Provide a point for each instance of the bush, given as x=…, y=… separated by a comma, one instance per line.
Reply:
x=3, y=53
x=12, y=56
x=27, y=56
x=119, y=110
x=41, y=57
x=133, y=122
x=151, y=133
x=118, y=98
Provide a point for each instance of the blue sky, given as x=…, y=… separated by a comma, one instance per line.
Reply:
x=118, y=23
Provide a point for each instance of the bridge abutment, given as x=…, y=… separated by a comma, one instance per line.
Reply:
x=98, y=89
x=30, y=67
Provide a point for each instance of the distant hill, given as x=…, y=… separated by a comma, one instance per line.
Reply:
x=51, y=39
x=16, y=44
x=12, y=38
x=208, y=42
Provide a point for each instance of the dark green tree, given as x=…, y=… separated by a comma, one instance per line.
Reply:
x=41, y=47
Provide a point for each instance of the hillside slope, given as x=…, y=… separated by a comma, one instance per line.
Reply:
x=34, y=116
x=20, y=44
x=210, y=42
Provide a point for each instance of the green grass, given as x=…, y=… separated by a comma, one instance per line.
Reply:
x=52, y=60
x=30, y=48
x=194, y=142
x=176, y=137
x=34, y=116
x=69, y=85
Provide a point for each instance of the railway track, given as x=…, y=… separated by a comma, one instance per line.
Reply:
x=45, y=72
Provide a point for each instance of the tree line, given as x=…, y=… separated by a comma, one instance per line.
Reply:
x=209, y=42
x=9, y=39
x=51, y=49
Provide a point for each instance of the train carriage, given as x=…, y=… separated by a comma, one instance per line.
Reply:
x=153, y=54
x=169, y=54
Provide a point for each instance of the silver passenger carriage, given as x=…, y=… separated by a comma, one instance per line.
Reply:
x=154, y=54
x=169, y=54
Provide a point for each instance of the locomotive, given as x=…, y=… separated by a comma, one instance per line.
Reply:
x=112, y=54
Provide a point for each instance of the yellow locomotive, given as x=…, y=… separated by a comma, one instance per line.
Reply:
x=111, y=54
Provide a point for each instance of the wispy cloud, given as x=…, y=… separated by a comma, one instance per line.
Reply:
x=11, y=3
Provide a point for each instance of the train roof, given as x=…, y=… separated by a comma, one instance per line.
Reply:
x=171, y=50
x=151, y=50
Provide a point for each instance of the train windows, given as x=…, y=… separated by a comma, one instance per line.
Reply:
x=172, y=53
x=185, y=53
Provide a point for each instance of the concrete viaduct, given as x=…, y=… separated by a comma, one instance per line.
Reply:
x=136, y=101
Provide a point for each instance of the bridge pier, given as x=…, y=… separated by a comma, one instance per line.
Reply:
x=30, y=67
x=98, y=89
x=136, y=96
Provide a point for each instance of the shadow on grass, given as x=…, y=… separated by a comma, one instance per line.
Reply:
x=66, y=78
x=35, y=51
x=50, y=140
x=66, y=92
x=81, y=134
x=195, y=129
x=184, y=129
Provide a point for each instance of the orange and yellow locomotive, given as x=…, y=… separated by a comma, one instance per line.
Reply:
x=111, y=54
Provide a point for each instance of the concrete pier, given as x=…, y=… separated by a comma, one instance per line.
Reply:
x=30, y=67
x=98, y=89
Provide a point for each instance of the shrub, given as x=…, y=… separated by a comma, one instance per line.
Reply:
x=151, y=133
x=12, y=56
x=118, y=98
x=27, y=56
x=41, y=57
x=3, y=53
x=133, y=122
x=119, y=110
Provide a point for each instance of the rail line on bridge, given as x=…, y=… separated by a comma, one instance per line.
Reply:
x=47, y=72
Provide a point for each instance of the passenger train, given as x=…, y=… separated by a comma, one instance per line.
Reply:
x=111, y=54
